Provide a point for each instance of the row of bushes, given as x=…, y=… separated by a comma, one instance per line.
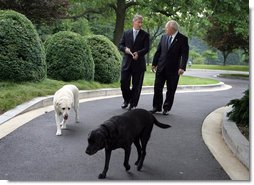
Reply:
x=67, y=56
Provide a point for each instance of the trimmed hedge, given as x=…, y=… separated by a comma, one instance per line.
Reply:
x=107, y=59
x=22, y=55
x=68, y=57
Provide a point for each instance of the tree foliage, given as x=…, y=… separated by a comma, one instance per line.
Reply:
x=225, y=40
x=188, y=13
x=111, y=17
x=210, y=56
x=116, y=8
x=38, y=10
x=229, y=25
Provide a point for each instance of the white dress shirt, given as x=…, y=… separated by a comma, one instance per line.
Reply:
x=134, y=36
x=173, y=36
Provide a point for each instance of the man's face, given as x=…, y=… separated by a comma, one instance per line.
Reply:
x=170, y=30
x=137, y=24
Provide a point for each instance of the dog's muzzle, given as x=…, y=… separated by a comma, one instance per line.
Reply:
x=88, y=152
x=65, y=117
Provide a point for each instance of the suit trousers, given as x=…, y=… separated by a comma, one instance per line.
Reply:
x=172, y=81
x=131, y=95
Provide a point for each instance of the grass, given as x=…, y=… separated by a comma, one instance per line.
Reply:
x=219, y=67
x=184, y=80
x=13, y=94
x=235, y=75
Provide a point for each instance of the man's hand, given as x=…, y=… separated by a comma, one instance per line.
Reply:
x=128, y=51
x=180, y=71
x=135, y=55
x=154, y=69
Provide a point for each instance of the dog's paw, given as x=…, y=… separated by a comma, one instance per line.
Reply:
x=63, y=127
x=139, y=167
x=58, y=133
x=127, y=167
x=102, y=176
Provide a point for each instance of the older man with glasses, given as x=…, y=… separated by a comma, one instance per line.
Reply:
x=169, y=63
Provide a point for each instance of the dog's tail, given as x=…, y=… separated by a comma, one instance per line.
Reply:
x=161, y=125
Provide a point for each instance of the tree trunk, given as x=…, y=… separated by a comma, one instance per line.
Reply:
x=148, y=58
x=148, y=53
x=120, y=17
x=225, y=55
x=152, y=38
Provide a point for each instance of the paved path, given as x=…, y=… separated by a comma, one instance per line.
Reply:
x=33, y=152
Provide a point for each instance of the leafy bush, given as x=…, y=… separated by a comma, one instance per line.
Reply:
x=80, y=26
x=210, y=56
x=107, y=59
x=240, y=112
x=196, y=58
x=22, y=55
x=68, y=57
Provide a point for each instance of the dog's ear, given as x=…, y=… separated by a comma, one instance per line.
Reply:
x=111, y=129
x=58, y=104
x=89, y=134
x=105, y=135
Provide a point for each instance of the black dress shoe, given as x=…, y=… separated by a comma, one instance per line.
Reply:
x=165, y=112
x=155, y=110
x=125, y=105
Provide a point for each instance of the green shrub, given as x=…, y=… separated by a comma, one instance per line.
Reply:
x=240, y=111
x=80, y=26
x=107, y=59
x=196, y=58
x=22, y=55
x=68, y=57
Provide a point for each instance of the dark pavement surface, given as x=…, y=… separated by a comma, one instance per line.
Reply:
x=34, y=153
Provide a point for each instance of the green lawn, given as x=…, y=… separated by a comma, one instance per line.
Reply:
x=235, y=75
x=184, y=80
x=13, y=94
x=219, y=67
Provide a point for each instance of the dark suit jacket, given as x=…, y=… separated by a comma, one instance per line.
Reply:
x=175, y=57
x=141, y=45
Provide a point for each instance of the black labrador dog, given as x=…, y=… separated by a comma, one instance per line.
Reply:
x=120, y=132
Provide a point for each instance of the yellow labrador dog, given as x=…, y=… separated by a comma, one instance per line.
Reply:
x=64, y=99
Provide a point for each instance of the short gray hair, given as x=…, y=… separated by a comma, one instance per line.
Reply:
x=137, y=17
x=174, y=24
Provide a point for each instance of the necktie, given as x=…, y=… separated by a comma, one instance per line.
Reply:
x=135, y=35
x=169, y=41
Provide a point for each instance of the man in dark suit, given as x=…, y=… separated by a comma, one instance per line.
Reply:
x=134, y=44
x=169, y=63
